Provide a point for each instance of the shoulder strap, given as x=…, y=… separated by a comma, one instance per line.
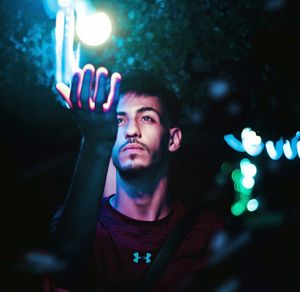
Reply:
x=168, y=250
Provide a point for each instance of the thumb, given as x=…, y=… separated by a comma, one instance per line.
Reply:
x=64, y=92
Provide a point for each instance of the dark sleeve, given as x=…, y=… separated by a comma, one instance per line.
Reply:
x=88, y=276
x=55, y=219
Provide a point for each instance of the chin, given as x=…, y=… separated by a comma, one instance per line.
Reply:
x=129, y=171
x=131, y=167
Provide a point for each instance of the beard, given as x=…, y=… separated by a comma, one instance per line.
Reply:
x=131, y=168
x=134, y=169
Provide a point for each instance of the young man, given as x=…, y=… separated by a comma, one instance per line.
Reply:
x=111, y=242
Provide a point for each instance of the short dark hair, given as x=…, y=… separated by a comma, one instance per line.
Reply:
x=150, y=83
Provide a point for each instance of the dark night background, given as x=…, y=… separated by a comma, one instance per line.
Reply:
x=253, y=47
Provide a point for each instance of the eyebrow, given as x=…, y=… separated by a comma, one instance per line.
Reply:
x=142, y=110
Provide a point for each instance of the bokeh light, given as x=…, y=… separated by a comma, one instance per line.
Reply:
x=238, y=208
x=248, y=182
x=247, y=168
x=252, y=205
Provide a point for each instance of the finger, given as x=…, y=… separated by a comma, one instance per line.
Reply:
x=100, y=84
x=92, y=105
x=86, y=89
x=64, y=91
x=75, y=89
x=112, y=99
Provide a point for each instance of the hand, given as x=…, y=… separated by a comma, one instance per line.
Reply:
x=86, y=99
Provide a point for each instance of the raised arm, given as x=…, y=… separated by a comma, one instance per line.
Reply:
x=95, y=115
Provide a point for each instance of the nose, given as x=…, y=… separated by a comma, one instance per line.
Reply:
x=132, y=130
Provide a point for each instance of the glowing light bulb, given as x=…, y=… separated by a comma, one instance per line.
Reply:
x=64, y=3
x=93, y=30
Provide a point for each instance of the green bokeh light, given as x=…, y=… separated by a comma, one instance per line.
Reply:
x=238, y=208
x=236, y=175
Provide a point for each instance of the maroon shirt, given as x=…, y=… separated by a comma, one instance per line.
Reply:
x=124, y=248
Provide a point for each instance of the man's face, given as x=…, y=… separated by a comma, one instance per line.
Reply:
x=142, y=139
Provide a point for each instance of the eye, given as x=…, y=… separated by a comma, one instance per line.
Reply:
x=120, y=121
x=148, y=119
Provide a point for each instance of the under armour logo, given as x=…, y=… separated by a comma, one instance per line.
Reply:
x=137, y=257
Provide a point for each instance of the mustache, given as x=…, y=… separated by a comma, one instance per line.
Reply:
x=133, y=141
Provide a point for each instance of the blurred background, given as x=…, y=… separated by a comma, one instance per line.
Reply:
x=234, y=66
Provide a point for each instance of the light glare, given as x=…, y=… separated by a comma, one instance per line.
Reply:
x=95, y=29
x=64, y=3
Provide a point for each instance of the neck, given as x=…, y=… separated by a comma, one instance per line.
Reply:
x=143, y=197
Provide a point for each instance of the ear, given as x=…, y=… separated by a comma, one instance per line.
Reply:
x=175, y=139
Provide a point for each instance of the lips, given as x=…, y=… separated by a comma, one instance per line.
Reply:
x=132, y=147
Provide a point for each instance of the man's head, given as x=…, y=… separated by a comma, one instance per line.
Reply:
x=147, y=113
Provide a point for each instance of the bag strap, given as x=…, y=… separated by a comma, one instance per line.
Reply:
x=168, y=250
